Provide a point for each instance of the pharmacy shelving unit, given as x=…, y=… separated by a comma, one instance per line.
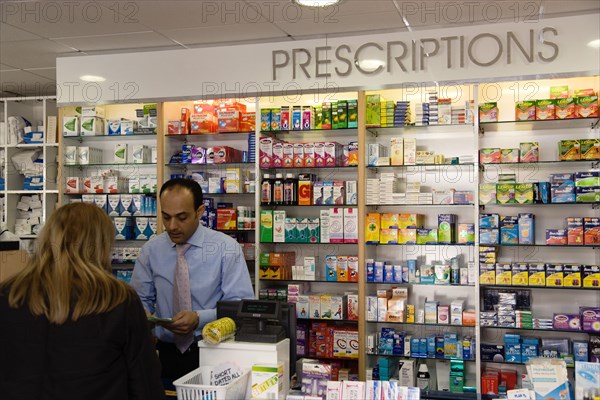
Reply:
x=36, y=110
x=507, y=133
x=338, y=173
x=450, y=140
x=125, y=250
x=245, y=194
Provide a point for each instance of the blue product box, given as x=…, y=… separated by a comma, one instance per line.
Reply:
x=186, y=153
x=414, y=347
x=526, y=228
x=431, y=346
x=379, y=270
x=328, y=192
x=412, y=271
x=489, y=221
x=296, y=119
x=388, y=273
x=561, y=178
x=439, y=347
x=398, y=345
x=397, y=274
x=580, y=350
x=564, y=193
x=423, y=347
x=513, y=352
x=370, y=265
x=541, y=192
x=489, y=236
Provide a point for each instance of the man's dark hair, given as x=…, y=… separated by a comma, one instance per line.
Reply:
x=189, y=184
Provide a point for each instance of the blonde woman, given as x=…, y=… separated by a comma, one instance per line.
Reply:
x=70, y=330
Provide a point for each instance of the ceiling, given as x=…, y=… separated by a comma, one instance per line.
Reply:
x=33, y=34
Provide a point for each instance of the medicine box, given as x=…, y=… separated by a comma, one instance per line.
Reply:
x=528, y=152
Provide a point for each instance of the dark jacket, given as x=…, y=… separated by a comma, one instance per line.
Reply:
x=109, y=356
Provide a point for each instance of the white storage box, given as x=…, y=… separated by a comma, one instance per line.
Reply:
x=190, y=387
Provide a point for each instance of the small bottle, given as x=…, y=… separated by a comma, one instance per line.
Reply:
x=423, y=377
x=455, y=271
x=278, y=189
x=266, y=190
x=290, y=190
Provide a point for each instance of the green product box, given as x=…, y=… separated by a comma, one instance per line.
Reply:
x=373, y=117
x=314, y=230
x=290, y=231
x=265, y=119
x=457, y=382
x=446, y=228
x=488, y=112
x=487, y=193
x=529, y=152
x=264, y=259
x=559, y=91
x=589, y=149
x=569, y=150
x=505, y=193
x=275, y=119
x=334, y=115
x=352, y=114
x=427, y=236
x=302, y=230
x=524, y=193
x=318, y=117
x=342, y=114
x=326, y=122
x=266, y=226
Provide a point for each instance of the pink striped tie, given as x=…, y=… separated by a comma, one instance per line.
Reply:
x=182, y=296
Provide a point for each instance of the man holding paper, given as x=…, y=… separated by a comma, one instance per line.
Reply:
x=181, y=275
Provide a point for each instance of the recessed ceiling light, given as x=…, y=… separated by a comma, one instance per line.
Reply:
x=595, y=44
x=370, y=64
x=92, y=78
x=316, y=3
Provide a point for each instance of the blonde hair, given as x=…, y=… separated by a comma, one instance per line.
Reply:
x=68, y=276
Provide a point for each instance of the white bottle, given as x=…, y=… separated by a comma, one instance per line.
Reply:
x=423, y=377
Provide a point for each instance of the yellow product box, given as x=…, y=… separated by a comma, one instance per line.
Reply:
x=373, y=227
x=389, y=221
x=591, y=276
x=410, y=313
x=373, y=112
x=503, y=274
x=537, y=274
x=396, y=151
x=572, y=275
x=388, y=236
x=544, y=109
x=569, y=150
x=410, y=221
x=525, y=111
x=554, y=275
x=559, y=92
x=407, y=235
x=520, y=274
x=505, y=193
x=487, y=274
x=524, y=193
x=589, y=149
x=267, y=381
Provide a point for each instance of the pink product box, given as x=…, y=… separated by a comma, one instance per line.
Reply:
x=288, y=155
x=570, y=322
x=590, y=319
x=332, y=154
x=319, y=154
x=277, y=159
x=298, y=155
x=266, y=152
x=309, y=155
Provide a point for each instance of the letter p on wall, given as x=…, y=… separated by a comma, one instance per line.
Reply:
x=276, y=55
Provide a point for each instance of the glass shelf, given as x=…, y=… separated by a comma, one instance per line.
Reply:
x=537, y=287
x=375, y=168
x=313, y=132
x=79, y=194
x=128, y=165
x=514, y=363
x=416, y=127
x=228, y=194
x=542, y=124
x=352, y=321
x=311, y=206
x=420, y=205
x=309, y=244
x=541, y=164
x=303, y=280
x=421, y=324
x=111, y=137
x=309, y=168
x=559, y=246
x=419, y=284
x=595, y=203
x=423, y=358
x=234, y=230
x=181, y=165
x=413, y=244
x=212, y=136
x=537, y=329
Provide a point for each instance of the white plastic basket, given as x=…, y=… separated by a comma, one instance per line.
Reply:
x=190, y=387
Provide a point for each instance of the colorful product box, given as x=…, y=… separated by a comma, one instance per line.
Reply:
x=352, y=114
x=446, y=228
x=564, y=108
x=529, y=152
x=487, y=193
x=488, y=112
x=586, y=107
x=590, y=319
x=575, y=231
x=591, y=230
x=590, y=149
x=266, y=151
x=544, y=109
x=520, y=274
x=490, y=155
x=489, y=236
x=537, y=274
x=525, y=111
x=554, y=275
x=524, y=193
x=266, y=226
x=569, y=150
x=509, y=156
x=572, y=275
x=466, y=233
x=526, y=224
x=570, y=322
x=503, y=274
x=556, y=237
x=505, y=193
x=591, y=276
x=350, y=225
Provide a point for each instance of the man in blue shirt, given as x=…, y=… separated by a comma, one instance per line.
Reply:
x=217, y=271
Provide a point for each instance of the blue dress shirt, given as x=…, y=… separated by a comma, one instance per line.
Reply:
x=218, y=271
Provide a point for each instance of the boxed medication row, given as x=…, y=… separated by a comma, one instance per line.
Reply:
x=274, y=153
x=540, y=274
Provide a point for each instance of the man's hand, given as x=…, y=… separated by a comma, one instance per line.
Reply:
x=183, y=323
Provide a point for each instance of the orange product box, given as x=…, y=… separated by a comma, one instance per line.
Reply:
x=575, y=231
x=468, y=318
x=203, y=123
x=591, y=230
x=304, y=193
x=185, y=120
x=226, y=219
x=247, y=122
x=231, y=104
x=205, y=107
x=525, y=111
x=228, y=121
x=564, y=108
x=544, y=109
x=174, y=128
x=586, y=107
